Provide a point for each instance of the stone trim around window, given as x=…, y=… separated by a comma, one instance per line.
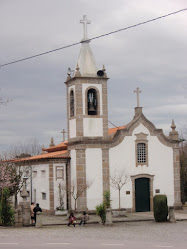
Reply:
x=72, y=103
x=60, y=172
x=141, y=138
x=98, y=101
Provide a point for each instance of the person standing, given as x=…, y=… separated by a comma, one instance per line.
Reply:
x=36, y=209
x=32, y=213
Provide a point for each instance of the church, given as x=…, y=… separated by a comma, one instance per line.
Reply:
x=92, y=154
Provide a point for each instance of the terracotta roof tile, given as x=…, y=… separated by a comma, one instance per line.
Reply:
x=56, y=154
x=114, y=130
x=61, y=146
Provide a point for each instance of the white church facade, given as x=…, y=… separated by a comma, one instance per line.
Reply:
x=93, y=153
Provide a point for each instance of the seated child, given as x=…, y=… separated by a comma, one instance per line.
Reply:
x=85, y=218
x=72, y=220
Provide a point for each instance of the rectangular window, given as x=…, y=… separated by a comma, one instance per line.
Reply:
x=60, y=172
x=34, y=173
x=43, y=173
x=141, y=153
x=43, y=196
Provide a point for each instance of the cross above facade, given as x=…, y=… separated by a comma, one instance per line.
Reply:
x=85, y=22
x=138, y=91
x=63, y=132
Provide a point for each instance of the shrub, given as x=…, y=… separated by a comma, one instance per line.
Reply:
x=160, y=208
x=101, y=211
x=107, y=200
x=6, y=211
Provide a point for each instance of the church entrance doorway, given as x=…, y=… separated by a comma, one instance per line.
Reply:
x=142, y=194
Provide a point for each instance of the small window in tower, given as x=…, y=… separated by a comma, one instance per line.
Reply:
x=92, y=102
x=72, y=108
x=141, y=153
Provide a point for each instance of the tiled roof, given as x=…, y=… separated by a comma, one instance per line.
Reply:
x=114, y=130
x=61, y=146
x=56, y=154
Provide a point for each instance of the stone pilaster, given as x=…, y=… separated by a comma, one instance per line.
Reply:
x=81, y=179
x=176, y=168
x=105, y=109
x=79, y=109
x=106, y=173
x=51, y=188
x=68, y=186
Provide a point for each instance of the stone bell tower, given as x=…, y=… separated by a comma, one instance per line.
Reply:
x=87, y=109
x=87, y=116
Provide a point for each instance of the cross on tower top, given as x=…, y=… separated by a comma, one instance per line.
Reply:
x=137, y=91
x=85, y=22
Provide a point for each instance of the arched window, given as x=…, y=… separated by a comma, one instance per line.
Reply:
x=72, y=107
x=92, y=102
x=141, y=153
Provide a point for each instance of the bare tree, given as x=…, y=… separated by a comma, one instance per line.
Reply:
x=4, y=101
x=117, y=180
x=77, y=191
x=26, y=148
x=22, y=168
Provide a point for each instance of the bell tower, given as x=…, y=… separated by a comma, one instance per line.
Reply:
x=87, y=108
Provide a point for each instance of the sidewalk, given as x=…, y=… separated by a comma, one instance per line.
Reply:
x=49, y=220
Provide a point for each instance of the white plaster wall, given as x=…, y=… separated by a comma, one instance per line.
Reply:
x=99, y=87
x=72, y=128
x=56, y=184
x=73, y=171
x=40, y=183
x=94, y=175
x=93, y=127
x=160, y=164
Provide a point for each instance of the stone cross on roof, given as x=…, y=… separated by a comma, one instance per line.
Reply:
x=63, y=132
x=85, y=22
x=137, y=91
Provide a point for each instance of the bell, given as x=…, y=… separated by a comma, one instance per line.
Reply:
x=91, y=107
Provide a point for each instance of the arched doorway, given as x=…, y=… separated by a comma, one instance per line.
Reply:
x=142, y=194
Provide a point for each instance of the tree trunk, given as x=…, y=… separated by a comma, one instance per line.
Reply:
x=16, y=200
x=75, y=204
x=119, y=200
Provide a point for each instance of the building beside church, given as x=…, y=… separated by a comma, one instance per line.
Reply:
x=93, y=153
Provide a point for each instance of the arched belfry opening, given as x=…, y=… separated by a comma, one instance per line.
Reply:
x=72, y=103
x=92, y=102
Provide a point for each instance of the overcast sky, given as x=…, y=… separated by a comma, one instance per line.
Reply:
x=152, y=56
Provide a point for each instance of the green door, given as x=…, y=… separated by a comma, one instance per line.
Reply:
x=142, y=195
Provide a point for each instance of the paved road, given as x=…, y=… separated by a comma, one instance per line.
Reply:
x=122, y=235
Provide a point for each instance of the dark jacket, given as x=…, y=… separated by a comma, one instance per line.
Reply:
x=35, y=210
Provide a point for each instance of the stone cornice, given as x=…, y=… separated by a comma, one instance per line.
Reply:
x=85, y=78
x=112, y=141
